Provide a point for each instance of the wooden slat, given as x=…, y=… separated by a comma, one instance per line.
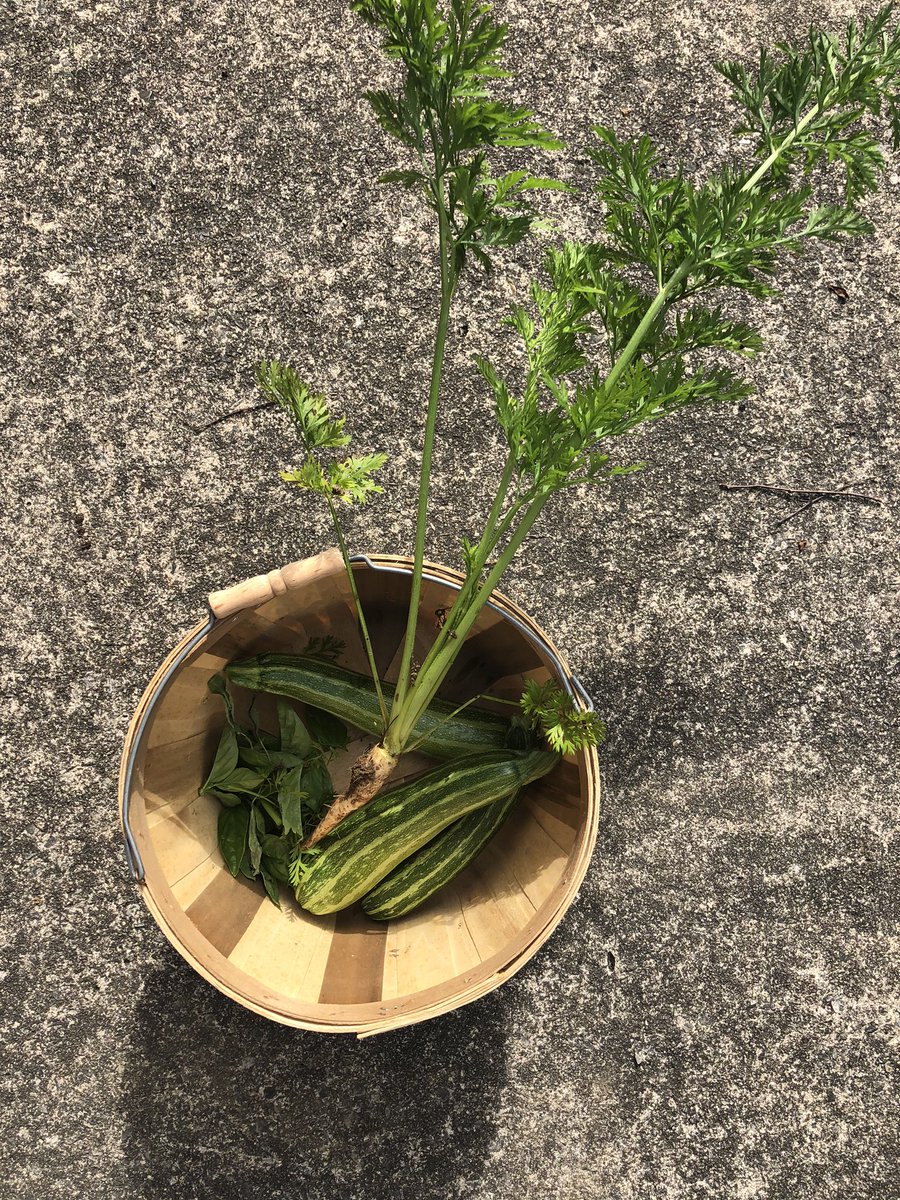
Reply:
x=495, y=653
x=187, y=708
x=384, y=600
x=565, y=778
x=342, y=624
x=562, y=832
x=422, y=643
x=496, y=908
x=570, y=811
x=286, y=949
x=530, y=855
x=159, y=810
x=171, y=775
x=195, y=882
x=428, y=947
x=510, y=687
x=355, y=967
x=254, y=634
x=223, y=911
x=184, y=839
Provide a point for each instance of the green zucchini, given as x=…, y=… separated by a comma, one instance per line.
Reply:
x=369, y=843
x=422, y=874
x=352, y=697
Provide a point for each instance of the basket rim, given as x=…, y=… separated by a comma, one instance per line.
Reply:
x=371, y=1017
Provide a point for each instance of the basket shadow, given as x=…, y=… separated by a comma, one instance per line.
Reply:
x=220, y=1104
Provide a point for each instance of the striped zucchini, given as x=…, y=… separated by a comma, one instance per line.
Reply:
x=352, y=697
x=421, y=875
x=369, y=843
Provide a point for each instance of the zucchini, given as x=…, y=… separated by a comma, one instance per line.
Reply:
x=369, y=843
x=421, y=875
x=352, y=697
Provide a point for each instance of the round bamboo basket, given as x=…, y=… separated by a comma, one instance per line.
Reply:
x=346, y=973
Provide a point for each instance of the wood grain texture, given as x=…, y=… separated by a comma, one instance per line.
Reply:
x=286, y=949
x=256, y=591
x=185, y=838
x=428, y=946
x=355, y=967
x=223, y=911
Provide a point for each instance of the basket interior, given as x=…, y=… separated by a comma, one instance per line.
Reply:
x=346, y=969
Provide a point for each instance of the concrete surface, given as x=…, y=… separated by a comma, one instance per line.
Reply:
x=187, y=188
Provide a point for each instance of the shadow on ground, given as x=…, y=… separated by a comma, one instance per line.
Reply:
x=221, y=1104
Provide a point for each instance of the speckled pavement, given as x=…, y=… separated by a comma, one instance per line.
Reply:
x=187, y=187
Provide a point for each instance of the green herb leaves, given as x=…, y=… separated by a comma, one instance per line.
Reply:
x=450, y=53
x=443, y=112
x=272, y=789
x=488, y=214
x=667, y=240
x=620, y=330
x=226, y=760
x=552, y=711
x=803, y=103
x=315, y=426
x=349, y=480
x=234, y=825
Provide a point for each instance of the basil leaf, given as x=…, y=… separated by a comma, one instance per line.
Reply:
x=271, y=760
x=242, y=779
x=226, y=798
x=270, y=883
x=291, y=798
x=251, y=717
x=326, y=730
x=317, y=783
x=278, y=869
x=253, y=832
x=225, y=760
x=234, y=824
x=294, y=738
x=276, y=848
x=257, y=759
x=218, y=687
x=271, y=808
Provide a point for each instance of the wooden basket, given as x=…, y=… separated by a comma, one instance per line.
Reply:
x=346, y=973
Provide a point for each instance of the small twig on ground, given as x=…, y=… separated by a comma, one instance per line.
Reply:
x=813, y=495
x=796, y=512
x=235, y=412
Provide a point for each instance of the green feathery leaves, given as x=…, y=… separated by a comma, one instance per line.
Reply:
x=620, y=331
x=815, y=94
x=350, y=479
x=552, y=711
x=307, y=408
x=443, y=112
x=667, y=239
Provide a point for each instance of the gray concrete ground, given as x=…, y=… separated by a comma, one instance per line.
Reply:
x=187, y=187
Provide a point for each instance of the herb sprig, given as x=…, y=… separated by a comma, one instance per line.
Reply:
x=272, y=788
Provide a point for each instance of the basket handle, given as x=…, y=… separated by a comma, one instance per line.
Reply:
x=253, y=592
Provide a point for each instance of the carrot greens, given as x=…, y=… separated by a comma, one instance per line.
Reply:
x=619, y=331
